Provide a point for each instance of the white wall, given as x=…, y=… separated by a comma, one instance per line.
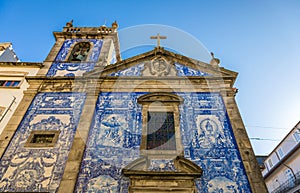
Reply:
x=7, y=94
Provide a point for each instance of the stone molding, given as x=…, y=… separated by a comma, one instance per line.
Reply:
x=22, y=64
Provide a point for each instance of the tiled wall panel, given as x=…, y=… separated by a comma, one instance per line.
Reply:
x=206, y=135
x=25, y=169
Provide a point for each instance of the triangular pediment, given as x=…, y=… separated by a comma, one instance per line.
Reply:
x=161, y=63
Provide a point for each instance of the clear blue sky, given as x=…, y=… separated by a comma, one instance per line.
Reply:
x=260, y=39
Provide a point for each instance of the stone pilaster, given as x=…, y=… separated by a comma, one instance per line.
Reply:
x=51, y=57
x=251, y=166
x=72, y=168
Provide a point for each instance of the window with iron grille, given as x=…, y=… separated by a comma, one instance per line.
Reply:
x=40, y=139
x=161, y=125
x=161, y=131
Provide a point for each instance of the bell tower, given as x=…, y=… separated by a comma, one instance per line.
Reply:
x=48, y=131
x=80, y=49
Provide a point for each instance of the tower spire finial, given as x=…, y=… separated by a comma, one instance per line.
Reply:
x=69, y=24
x=114, y=25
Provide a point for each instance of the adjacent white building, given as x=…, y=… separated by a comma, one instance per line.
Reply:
x=12, y=81
x=282, y=166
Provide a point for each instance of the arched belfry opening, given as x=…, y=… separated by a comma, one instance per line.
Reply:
x=80, y=52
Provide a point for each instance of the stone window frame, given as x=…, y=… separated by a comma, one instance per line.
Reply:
x=12, y=76
x=160, y=102
x=29, y=143
x=280, y=152
x=67, y=59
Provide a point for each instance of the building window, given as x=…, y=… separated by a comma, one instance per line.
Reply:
x=161, y=131
x=9, y=83
x=270, y=163
x=161, y=127
x=297, y=136
x=42, y=138
x=280, y=152
x=80, y=52
x=39, y=139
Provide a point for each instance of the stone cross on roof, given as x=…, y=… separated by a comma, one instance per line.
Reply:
x=158, y=37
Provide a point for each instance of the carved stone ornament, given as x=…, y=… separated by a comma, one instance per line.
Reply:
x=159, y=67
x=57, y=86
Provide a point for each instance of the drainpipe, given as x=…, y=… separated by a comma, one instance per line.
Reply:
x=291, y=170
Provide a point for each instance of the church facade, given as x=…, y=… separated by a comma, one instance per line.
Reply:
x=155, y=122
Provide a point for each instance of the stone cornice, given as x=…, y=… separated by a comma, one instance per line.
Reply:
x=92, y=35
x=192, y=78
x=87, y=84
x=22, y=64
x=70, y=31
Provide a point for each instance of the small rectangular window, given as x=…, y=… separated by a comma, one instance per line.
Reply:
x=297, y=136
x=270, y=163
x=42, y=138
x=161, y=131
x=9, y=83
x=39, y=139
x=280, y=152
